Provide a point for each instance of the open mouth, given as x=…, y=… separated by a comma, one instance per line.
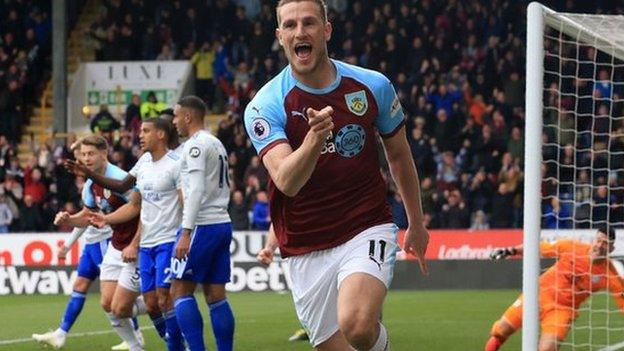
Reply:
x=303, y=51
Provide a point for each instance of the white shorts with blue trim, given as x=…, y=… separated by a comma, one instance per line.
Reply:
x=316, y=276
x=113, y=268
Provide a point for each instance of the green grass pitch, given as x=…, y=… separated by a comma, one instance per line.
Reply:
x=416, y=320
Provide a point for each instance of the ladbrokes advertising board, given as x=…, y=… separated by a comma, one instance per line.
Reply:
x=29, y=264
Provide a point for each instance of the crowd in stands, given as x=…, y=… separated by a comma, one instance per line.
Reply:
x=25, y=30
x=457, y=66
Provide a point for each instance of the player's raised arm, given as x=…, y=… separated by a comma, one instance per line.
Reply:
x=80, y=219
x=116, y=185
x=291, y=170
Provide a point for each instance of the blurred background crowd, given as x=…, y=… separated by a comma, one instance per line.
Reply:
x=458, y=68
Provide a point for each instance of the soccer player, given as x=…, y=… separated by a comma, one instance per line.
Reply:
x=88, y=270
x=202, y=251
x=315, y=128
x=119, y=281
x=158, y=200
x=125, y=184
x=580, y=270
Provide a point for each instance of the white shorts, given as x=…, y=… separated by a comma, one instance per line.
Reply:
x=316, y=276
x=113, y=268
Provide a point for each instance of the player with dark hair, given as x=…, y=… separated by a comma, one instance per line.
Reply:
x=580, y=270
x=202, y=251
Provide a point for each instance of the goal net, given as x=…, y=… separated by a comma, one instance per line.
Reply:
x=574, y=164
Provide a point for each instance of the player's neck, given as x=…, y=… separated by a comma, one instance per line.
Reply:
x=102, y=170
x=158, y=153
x=194, y=128
x=323, y=76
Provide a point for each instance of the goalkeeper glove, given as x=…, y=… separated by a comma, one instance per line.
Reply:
x=501, y=253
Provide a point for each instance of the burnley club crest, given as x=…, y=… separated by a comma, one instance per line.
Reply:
x=357, y=103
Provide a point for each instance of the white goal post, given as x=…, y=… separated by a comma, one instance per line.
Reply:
x=576, y=32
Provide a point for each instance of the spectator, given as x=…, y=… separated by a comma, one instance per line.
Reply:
x=515, y=145
x=256, y=169
x=455, y=213
x=261, y=219
x=399, y=216
x=447, y=172
x=556, y=216
x=133, y=115
x=479, y=221
x=238, y=211
x=204, y=73
x=31, y=219
x=34, y=185
x=152, y=107
x=6, y=215
x=104, y=122
x=166, y=54
x=502, y=210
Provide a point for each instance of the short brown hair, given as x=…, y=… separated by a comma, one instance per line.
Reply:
x=194, y=103
x=321, y=4
x=96, y=141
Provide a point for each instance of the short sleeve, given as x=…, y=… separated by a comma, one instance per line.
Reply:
x=87, y=195
x=135, y=170
x=265, y=123
x=391, y=116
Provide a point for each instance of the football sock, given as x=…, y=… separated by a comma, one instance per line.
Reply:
x=125, y=329
x=159, y=324
x=139, y=307
x=190, y=322
x=222, y=320
x=74, y=306
x=382, y=341
x=175, y=342
x=493, y=344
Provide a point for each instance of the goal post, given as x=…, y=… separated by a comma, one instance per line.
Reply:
x=532, y=179
x=574, y=143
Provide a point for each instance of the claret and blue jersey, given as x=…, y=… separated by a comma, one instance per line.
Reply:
x=108, y=201
x=346, y=193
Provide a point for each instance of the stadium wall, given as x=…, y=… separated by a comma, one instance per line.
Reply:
x=457, y=260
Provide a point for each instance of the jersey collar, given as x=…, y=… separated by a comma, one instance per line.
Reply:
x=321, y=91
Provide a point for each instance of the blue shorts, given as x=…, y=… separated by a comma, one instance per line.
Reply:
x=91, y=258
x=154, y=265
x=208, y=260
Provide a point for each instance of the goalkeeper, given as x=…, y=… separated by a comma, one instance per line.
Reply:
x=580, y=270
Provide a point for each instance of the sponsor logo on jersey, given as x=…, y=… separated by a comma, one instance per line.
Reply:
x=350, y=140
x=107, y=194
x=194, y=152
x=396, y=107
x=260, y=129
x=595, y=279
x=330, y=146
x=357, y=103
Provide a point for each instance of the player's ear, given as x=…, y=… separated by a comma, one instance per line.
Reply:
x=278, y=35
x=328, y=31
